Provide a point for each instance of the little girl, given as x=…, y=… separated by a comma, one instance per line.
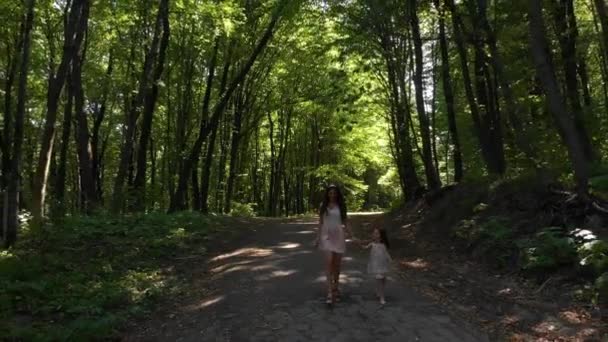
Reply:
x=379, y=260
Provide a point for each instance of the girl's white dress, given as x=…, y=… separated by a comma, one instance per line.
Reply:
x=379, y=261
x=332, y=233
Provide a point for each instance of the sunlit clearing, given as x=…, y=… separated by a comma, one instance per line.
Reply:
x=289, y=245
x=246, y=252
x=209, y=302
x=418, y=264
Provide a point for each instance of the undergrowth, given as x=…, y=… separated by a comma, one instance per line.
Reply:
x=82, y=279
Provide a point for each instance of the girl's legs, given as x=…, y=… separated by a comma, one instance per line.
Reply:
x=337, y=263
x=380, y=289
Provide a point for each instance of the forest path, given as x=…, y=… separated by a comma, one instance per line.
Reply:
x=269, y=286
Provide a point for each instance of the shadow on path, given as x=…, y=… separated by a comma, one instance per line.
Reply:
x=270, y=288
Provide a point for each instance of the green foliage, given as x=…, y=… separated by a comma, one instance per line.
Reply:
x=243, y=209
x=85, y=277
x=549, y=249
x=601, y=286
x=592, y=253
x=491, y=239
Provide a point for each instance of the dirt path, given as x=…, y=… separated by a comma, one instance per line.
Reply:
x=269, y=287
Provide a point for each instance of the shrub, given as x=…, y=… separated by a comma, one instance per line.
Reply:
x=243, y=209
x=549, y=249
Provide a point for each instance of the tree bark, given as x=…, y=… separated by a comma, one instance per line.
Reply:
x=88, y=188
x=449, y=95
x=12, y=204
x=432, y=177
x=60, y=179
x=157, y=54
x=76, y=26
x=563, y=13
x=540, y=49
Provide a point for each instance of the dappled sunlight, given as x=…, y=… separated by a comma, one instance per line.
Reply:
x=275, y=274
x=245, y=252
x=302, y=232
x=208, y=302
x=288, y=245
x=224, y=267
x=366, y=213
x=303, y=223
x=418, y=264
x=505, y=292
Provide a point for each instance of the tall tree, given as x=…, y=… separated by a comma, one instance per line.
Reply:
x=449, y=94
x=432, y=176
x=74, y=31
x=540, y=49
x=11, y=223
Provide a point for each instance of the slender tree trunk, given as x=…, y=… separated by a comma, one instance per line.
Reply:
x=76, y=26
x=481, y=132
x=449, y=95
x=162, y=24
x=206, y=172
x=65, y=144
x=600, y=8
x=89, y=200
x=234, y=148
x=432, y=177
x=566, y=24
x=514, y=110
x=540, y=49
x=12, y=199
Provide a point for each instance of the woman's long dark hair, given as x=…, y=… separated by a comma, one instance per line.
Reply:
x=339, y=199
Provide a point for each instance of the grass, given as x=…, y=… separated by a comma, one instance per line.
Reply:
x=82, y=279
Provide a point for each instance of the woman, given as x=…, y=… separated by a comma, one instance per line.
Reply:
x=331, y=237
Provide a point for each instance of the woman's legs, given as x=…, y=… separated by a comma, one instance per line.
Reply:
x=329, y=272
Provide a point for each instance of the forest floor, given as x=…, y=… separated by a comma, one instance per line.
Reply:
x=268, y=286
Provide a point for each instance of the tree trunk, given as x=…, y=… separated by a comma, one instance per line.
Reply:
x=482, y=134
x=234, y=148
x=540, y=49
x=514, y=110
x=158, y=57
x=12, y=198
x=88, y=188
x=564, y=19
x=206, y=172
x=449, y=95
x=432, y=177
x=600, y=8
x=76, y=26
x=100, y=112
x=60, y=179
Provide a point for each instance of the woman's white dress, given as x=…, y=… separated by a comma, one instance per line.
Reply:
x=379, y=260
x=332, y=233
